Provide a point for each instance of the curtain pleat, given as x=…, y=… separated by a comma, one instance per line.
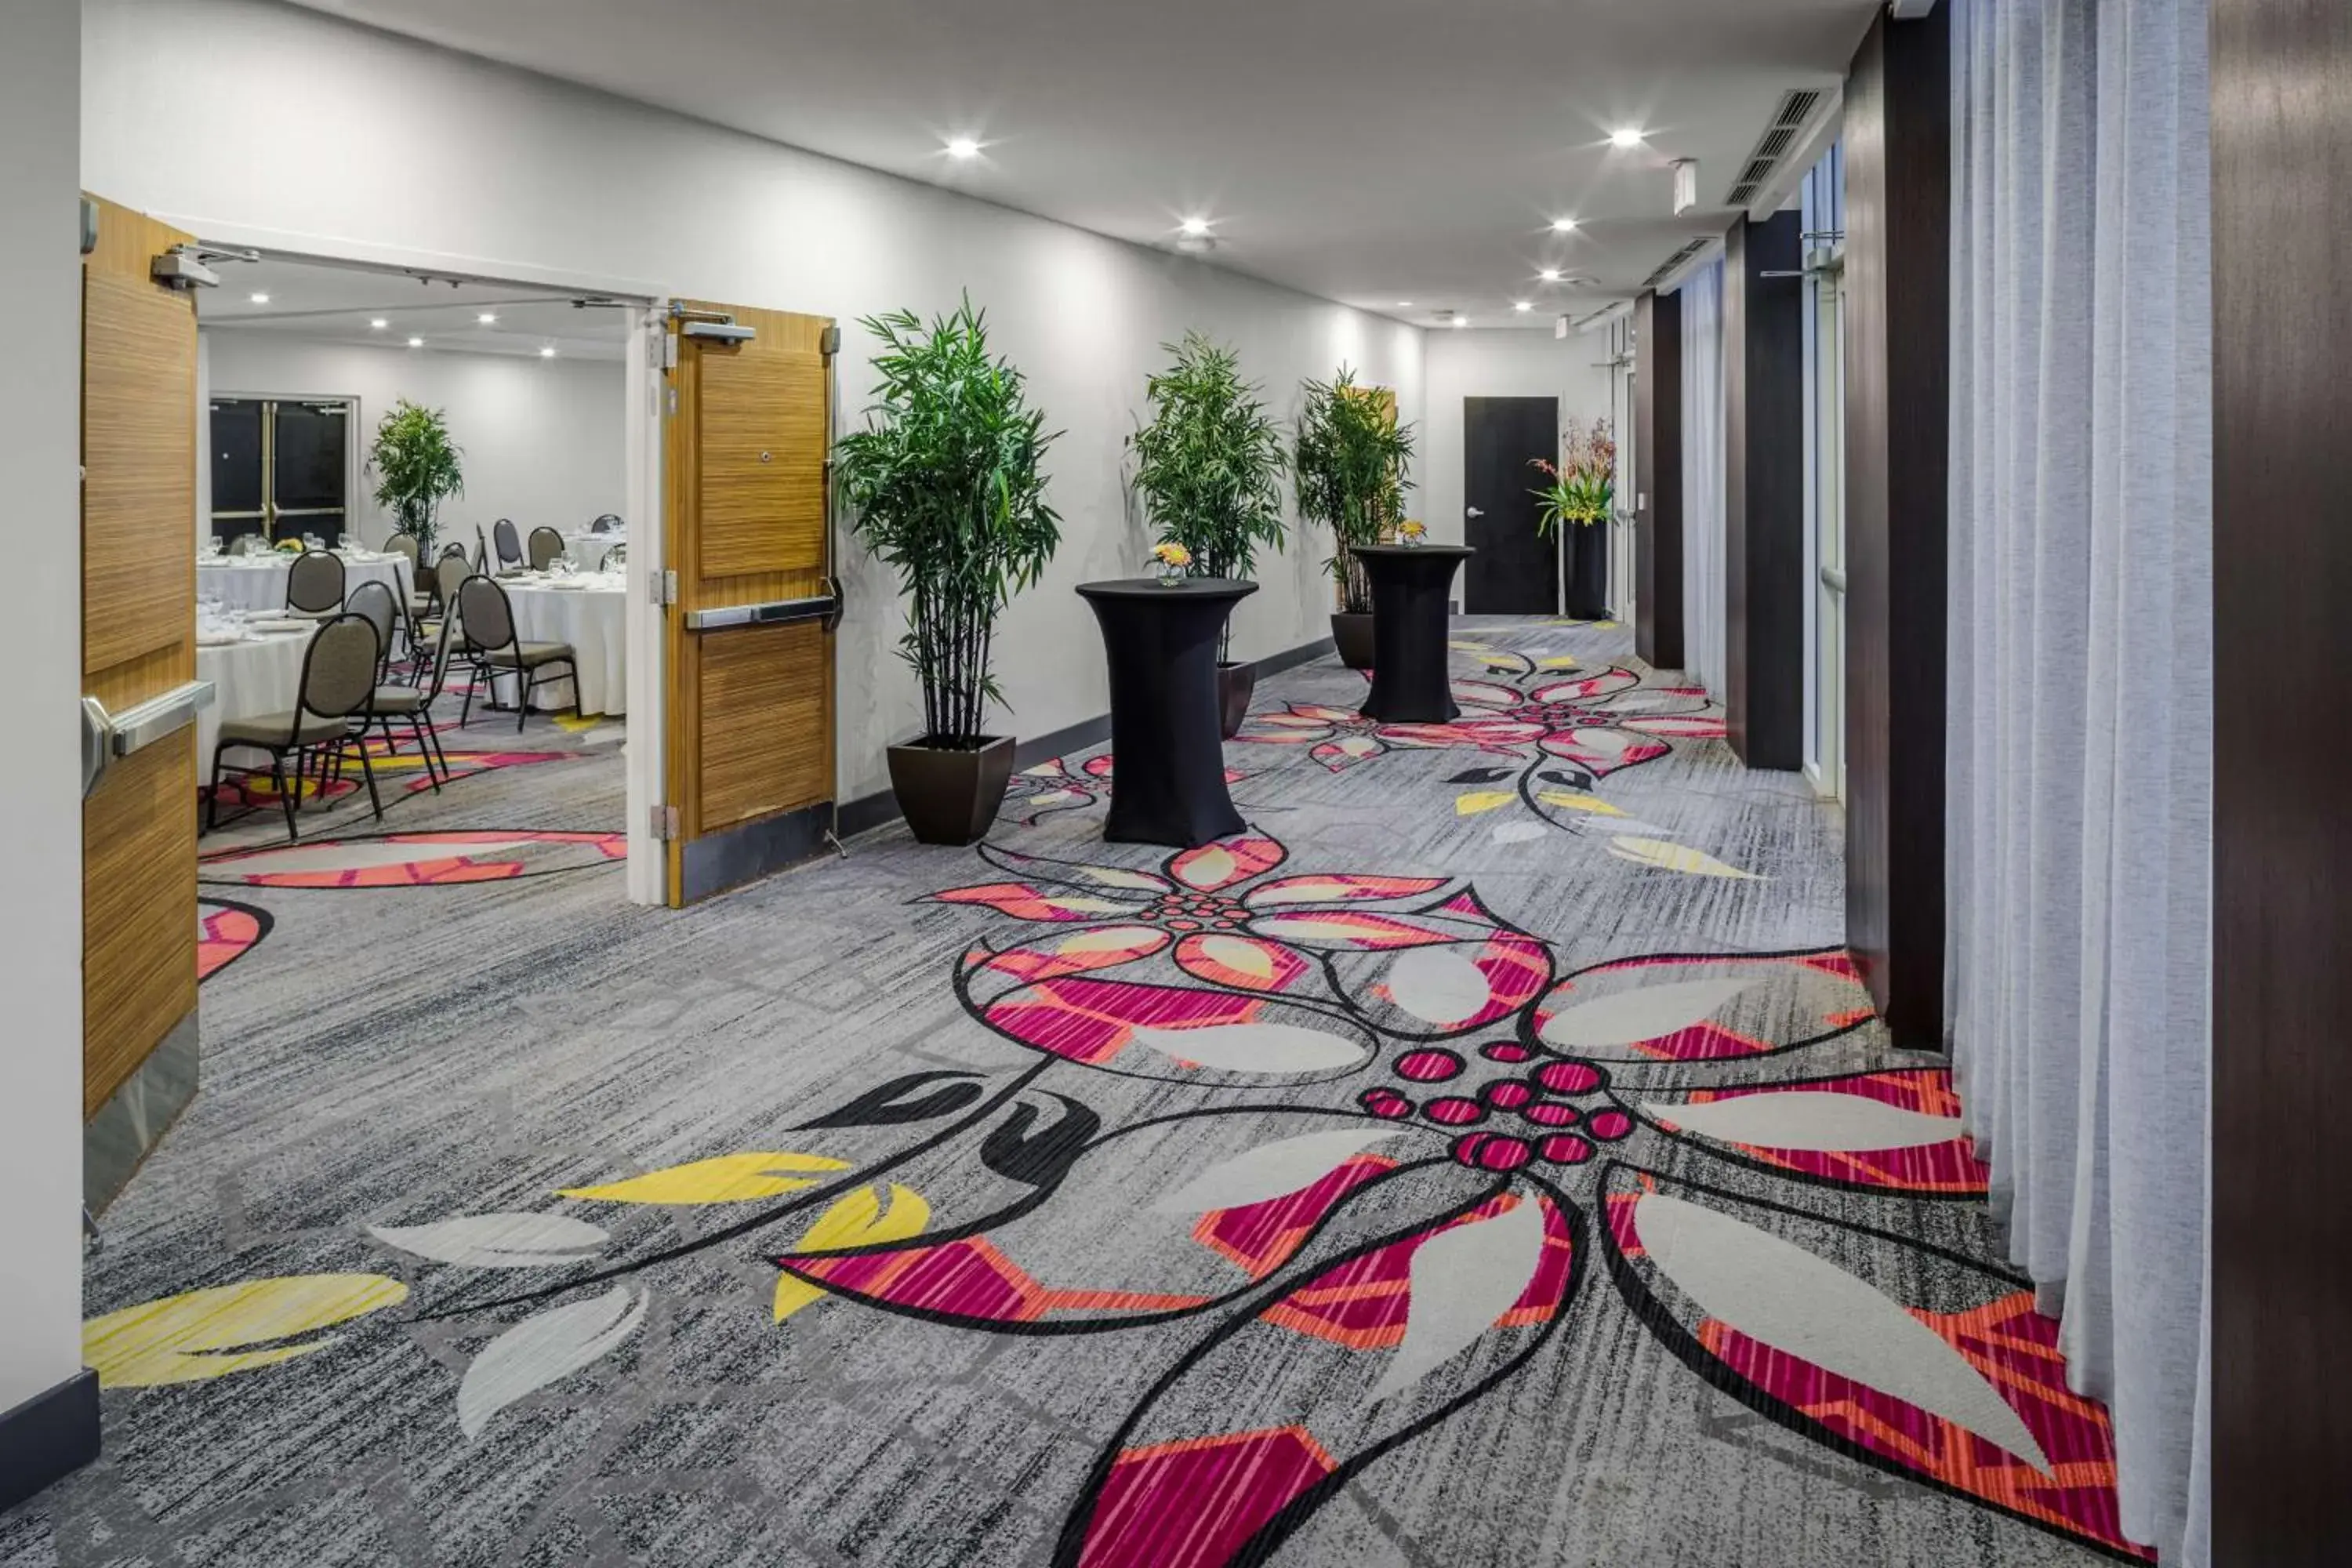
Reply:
x=1702, y=476
x=2080, y=682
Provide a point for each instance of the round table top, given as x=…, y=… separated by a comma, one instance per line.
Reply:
x=1184, y=588
x=1454, y=551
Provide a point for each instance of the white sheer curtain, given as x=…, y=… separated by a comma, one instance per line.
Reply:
x=1702, y=476
x=2081, y=684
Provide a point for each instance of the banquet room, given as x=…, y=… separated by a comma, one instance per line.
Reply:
x=370, y=440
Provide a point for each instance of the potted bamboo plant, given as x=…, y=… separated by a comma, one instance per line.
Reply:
x=945, y=484
x=1208, y=466
x=1579, y=497
x=416, y=466
x=1350, y=462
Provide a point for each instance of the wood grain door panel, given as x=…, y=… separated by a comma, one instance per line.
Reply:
x=139, y=594
x=767, y=695
x=762, y=448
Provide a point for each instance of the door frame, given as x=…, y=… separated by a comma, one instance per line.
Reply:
x=1560, y=563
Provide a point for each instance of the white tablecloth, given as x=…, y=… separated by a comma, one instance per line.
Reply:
x=587, y=550
x=592, y=620
x=262, y=676
x=258, y=583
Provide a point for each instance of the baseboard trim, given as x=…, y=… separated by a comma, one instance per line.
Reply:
x=48, y=1437
x=126, y=1129
x=735, y=855
x=880, y=809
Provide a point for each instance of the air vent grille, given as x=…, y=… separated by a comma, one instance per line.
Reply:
x=1666, y=267
x=1789, y=118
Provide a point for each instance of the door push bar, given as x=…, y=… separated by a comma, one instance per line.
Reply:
x=824, y=606
x=106, y=736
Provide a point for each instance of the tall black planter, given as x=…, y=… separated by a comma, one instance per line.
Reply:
x=1588, y=571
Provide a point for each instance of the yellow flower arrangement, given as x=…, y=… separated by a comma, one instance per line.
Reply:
x=1171, y=556
x=1411, y=530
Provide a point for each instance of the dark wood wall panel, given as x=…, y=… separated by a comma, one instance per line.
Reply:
x=1764, y=491
x=1898, y=223
x=1658, y=479
x=2281, y=1235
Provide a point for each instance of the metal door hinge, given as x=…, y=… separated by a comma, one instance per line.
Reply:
x=664, y=823
x=661, y=587
x=828, y=342
x=670, y=348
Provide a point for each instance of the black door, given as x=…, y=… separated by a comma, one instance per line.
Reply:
x=1515, y=570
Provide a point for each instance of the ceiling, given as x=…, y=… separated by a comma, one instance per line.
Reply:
x=1373, y=151
x=341, y=304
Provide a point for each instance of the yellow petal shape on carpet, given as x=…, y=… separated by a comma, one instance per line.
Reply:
x=857, y=1220
x=1569, y=800
x=204, y=1334
x=1558, y=661
x=725, y=1179
x=1668, y=857
x=1478, y=800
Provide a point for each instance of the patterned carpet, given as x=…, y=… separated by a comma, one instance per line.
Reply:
x=1488, y=1159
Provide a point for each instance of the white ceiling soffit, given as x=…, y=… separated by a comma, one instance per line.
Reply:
x=1373, y=151
x=341, y=304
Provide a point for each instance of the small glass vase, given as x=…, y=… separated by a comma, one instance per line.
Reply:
x=1171, y=576
x=1411, y=541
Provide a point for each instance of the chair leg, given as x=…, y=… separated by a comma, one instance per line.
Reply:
x=367, y=770
x=526, y=682
x=425, y=750
x=212, y=804
x=433, y=733
x=284, y=796
x=465, y=712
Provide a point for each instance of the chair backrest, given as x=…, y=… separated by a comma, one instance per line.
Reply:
x=546, y=544
x=448, y=572
x=315, y=582
x=488, y=617
x=603, y=524
x=373, y=601
x=403, y=545
x=508, y=541
x=440, y=665
x=615, y=557
x=339, y=670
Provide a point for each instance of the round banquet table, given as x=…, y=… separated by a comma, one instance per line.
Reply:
x=260, y=675
x=1409, y=583
x=1160, y=643
x=593, y=619
x=258, y=581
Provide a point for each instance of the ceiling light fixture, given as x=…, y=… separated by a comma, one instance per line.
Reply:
x=1195, y=227
x=1461, y=321
x=416, y=343
x=259, y=299
x=546, y=353
x=964, y=147
x=1563, y=225
x=1549, y=275
x=378, y=324
x=1625, y=136
x=488, y=319
x=1404, y=304
x=1523, y=305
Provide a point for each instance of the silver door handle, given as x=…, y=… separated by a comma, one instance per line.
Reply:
x=1832, y=579
x=106, y=736
x=1473, y=511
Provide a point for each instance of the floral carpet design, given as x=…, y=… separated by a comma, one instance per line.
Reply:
x=1053, y=785
x=1325, y=1194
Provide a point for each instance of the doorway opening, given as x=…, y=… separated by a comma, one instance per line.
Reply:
x=1517, y=569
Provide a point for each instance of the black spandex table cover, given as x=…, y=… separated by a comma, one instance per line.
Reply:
x=1409, y=585
x=1161, y=645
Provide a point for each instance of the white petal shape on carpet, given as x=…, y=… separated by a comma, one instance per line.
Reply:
x=1253, y=1047
x=497, y=1240
x=1805, y=1306
x=1463, y=1278
x=1820, y=1121
x=1271, y=1169
x=1646, y=1013
x=1438, y=985
x=546, y=1348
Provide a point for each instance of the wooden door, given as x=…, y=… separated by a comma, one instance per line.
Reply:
x=750, y=753
x=1515, y=570
x=138, y=619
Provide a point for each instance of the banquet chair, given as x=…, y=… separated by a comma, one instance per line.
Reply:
x=510, y=545
x=415, y=606
x=546, y=545
x=481, y=549
x=314, y=584
x=374, y=600
x=338, y=682
x=616, y=556
x=486, y=622
x=452, y=569
x=605, y=524
x=413, y=705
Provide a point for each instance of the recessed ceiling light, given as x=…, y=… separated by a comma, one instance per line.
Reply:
x=1563, y=225
x=546, y=353
x=964, y=147
x=1625, y=136
x=1549, y=275
x=1461, y=321
x=488, y=319
x=1404, y=304
x=1195, y=226
x=378, y=324
x=416, y=343
x=1523, y=305
x=259, y=299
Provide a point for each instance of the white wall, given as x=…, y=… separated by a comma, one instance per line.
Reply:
x=1473, y=361
x=543, y=439
x=40, y=643
x=410, y=152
